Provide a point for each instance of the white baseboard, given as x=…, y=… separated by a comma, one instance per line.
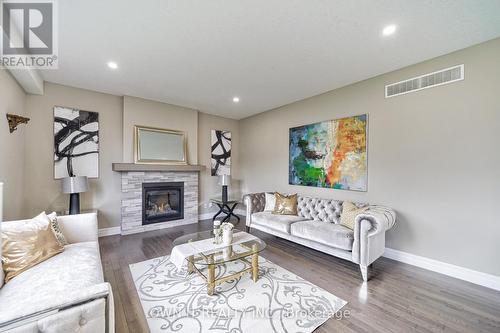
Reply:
x=209, y=215
x=206, y=216
x=109, y=231
x=462, y=273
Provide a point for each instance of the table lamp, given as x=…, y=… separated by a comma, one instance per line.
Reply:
x=224, y=180
x=74, y=186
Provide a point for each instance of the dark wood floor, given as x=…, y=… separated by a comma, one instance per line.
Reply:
x=398, y=298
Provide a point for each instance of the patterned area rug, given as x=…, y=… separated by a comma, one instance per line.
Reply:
x=279, y=301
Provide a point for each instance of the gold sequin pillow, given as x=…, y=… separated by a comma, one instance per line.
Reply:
x=27, y=244
x=349, y=213
x=285, y=204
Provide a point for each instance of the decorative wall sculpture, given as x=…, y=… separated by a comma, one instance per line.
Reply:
x=15, y=120
x=330, y=154
x=221, y=153
x=76, y=143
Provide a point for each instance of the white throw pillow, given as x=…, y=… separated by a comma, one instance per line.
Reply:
x=270, y=202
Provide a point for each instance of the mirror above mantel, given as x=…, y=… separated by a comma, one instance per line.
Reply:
x=159, y=146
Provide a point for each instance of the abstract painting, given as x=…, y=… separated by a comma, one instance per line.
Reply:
x=330, y=154
x=221, y=153
x=76, y=143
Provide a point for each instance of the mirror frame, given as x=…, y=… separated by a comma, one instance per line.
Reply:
x=137, y=149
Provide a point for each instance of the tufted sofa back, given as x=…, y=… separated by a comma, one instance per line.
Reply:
x=326, y=210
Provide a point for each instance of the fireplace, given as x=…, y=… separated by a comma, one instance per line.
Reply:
x=162, y=202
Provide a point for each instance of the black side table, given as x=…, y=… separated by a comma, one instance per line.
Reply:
x=227, y=208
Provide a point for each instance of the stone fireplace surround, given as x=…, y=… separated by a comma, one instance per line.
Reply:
x=134, y=175
x=131, y=198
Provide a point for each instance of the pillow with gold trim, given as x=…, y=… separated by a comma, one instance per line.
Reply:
x=349, y=213
x=285, y=204
x=56, y=229
x=27, y=244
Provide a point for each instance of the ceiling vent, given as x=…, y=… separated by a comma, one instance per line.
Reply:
x=425, y=81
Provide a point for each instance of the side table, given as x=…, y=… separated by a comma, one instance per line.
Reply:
x=226, y=207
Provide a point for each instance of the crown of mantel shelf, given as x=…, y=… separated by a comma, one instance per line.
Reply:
x=132, y=167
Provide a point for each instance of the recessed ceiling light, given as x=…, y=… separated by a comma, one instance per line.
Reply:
x=112, y=65
x=389, y=30
x=236, y=99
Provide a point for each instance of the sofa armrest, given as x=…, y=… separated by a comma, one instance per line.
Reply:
x=254, y=202
x=381, y=218
x=369, y=233
x=74, y=302
x=79, y=228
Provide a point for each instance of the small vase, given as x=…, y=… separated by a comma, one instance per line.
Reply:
x=227, y=237
x=226, y=252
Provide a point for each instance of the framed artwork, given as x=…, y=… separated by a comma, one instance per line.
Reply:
x=330, y=154
x=76, y=143
x=221, y=152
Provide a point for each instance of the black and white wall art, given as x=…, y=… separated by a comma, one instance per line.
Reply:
x=76, y=143
x=221, y=153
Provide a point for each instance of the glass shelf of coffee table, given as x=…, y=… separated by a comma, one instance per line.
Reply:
x=246, y=252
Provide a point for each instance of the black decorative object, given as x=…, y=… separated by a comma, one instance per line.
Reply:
x=224, y=181
x=74, y=203
x=227, y=207
x=76, y=143
x=221, y=153
x=74, y=186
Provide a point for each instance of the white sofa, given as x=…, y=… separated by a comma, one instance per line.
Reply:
x=65, y=293
x=317, y=225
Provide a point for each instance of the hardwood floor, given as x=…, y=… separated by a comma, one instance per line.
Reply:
x=398, y=298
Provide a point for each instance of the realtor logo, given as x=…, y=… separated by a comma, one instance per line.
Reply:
x=29, y=34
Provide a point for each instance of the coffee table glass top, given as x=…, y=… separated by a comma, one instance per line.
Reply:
x=223, y=253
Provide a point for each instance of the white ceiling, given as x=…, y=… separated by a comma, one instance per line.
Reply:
x=199, y=53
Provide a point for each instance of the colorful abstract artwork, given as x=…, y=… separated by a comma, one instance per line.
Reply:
x=330, y=154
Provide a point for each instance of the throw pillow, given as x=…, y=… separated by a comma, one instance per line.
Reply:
x=285, y=204
x=56, y=229
x=270, y=202
x=25, y=245
x=349, y=213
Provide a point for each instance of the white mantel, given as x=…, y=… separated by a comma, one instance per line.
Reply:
x=130, y=167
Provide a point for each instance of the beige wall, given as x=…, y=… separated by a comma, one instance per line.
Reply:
x=12, y=100
x=42, y=192
x=208, y=184
x=433, y=156
x=138, y=111
x=117, y=116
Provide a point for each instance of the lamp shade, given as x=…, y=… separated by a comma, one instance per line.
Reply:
x=77, y=184
x=224, y=180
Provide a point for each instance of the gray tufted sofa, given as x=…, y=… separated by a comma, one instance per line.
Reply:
x=317, y=226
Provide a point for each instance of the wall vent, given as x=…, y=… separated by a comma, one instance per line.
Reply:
x=444, y=76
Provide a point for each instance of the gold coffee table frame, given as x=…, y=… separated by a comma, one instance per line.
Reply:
x=249, y=256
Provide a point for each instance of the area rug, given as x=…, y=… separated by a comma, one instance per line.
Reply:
x=279, y=301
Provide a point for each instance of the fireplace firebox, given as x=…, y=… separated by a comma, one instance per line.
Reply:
x=162, y=202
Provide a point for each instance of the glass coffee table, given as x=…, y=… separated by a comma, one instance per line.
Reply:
x=247, y=252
